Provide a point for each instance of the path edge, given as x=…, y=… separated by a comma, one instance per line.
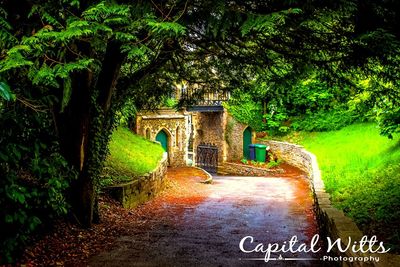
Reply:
x=209, y=179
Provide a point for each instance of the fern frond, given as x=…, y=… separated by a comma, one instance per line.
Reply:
x=267, y=23
x=166, y=28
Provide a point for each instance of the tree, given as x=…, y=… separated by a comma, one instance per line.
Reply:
x=73, y=51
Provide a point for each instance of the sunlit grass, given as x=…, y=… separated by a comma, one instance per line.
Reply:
x=130, y=156
x=346, y=154
x=361, y=171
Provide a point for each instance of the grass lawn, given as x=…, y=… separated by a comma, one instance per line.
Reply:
x=130, y=156
x=361, y=171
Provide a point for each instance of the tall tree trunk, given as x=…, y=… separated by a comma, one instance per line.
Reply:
x=83, y=124
x=87, y=123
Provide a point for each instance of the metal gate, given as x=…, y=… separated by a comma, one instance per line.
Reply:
x=207, y=157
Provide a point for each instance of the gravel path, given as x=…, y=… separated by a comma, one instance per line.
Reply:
x=195, y=224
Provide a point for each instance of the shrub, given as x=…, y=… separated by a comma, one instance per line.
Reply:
x=244, y=161
x=34, y=179
x=324, y=120
x=245, y=110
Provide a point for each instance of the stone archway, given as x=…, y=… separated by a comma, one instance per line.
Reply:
x=247, y=140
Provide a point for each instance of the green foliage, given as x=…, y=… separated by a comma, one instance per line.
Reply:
x=82, y=64
x=34, y=179
x=245, y=110
x=228, y=131
x=267, y=24
x=5, y=92
x=275, y=120
x=389, y=121
x=171, y=29
x=127, y=114
x=322, y=120
x=130, y=156
x=273, y=163
x=170, y=102
x=308, y=104
x=270, y=164
x=361, y=172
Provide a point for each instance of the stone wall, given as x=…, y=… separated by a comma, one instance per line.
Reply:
x=141, y=189
x=332, y=221
x=217, y=128
x=175, y=124
x=293, y=154
x=234, y=138
x=209, y=128
x=246, y=170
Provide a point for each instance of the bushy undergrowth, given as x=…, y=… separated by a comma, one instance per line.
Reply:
x=245, y=110
x=361, y=171
x=34, y=179
x=324, y=120
x=130, y=156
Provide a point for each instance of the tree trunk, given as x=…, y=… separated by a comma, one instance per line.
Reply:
x=86, y=125
x=82, y=125
x=264, y=112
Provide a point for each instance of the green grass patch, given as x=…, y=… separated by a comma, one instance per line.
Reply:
x=361, y=171
x=130, y=156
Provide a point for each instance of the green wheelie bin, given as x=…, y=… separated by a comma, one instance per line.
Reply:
x=261, y=152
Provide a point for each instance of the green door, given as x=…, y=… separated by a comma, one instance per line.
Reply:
x=246, y=142
x=162, y=137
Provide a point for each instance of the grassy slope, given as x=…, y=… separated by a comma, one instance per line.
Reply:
x=361, y=170
x=130, y=156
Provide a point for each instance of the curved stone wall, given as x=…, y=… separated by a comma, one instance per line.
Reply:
x=143, y=188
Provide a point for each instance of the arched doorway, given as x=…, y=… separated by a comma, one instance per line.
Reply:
x=162, y=137
x=246, y=142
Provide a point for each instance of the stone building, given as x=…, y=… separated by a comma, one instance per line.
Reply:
x=204, y=135
x=169, y=127
x=182, y=132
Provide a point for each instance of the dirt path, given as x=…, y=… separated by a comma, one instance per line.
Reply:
x=195, y=224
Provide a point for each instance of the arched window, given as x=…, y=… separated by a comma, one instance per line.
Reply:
x=148, y=133
x=177, y=137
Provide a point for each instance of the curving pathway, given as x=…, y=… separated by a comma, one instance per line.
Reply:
x=195, y=224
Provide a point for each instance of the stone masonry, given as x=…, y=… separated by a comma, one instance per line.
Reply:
x=209, y=128
x=234, y=138
x=141, y=189
x=175, y=123
x=186, y=130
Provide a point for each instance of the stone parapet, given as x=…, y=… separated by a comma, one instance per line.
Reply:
x=333, y=222
x=142, y=188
